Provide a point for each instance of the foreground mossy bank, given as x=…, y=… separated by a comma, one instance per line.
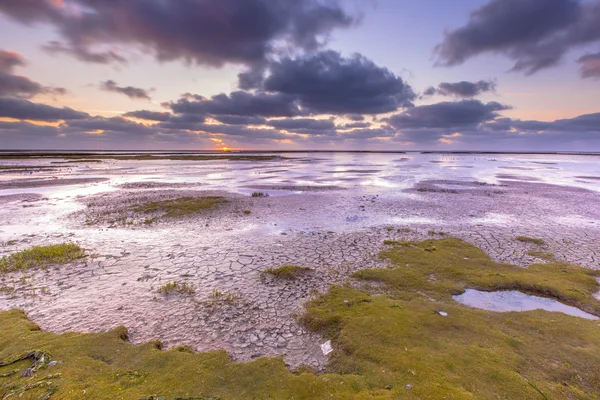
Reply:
x=383, y=343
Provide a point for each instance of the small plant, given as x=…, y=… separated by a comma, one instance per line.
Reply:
x=527, y=239
x=150, y=221
x=11, y=242
x=287, y=271
x=175, y=287
x=260, y=194
x=41, y=256
x=217, y=297
x=404, y=230
x=247, y=212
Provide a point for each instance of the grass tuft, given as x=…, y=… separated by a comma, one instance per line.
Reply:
x=260, y=194
x=180, y=207
x=527, y=239
x=41, y=257
x=175, y=287
x=287, y=271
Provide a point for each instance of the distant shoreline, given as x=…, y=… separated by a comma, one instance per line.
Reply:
x=71, y=153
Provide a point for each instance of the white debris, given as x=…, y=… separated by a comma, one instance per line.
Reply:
x=326, y=347
x=443, y=313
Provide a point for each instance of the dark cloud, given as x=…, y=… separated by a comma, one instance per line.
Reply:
x=590, y=65
x=237, y=120
x=463, y=89
x=28, y=11
x=26, y=110
x=239, y=103
x=356, y=117
x=82, y=53
x=129, y=91
x=302, y=124
x=183, y=122
x=20, y=86
x=583, y=123
x=327, y=83
x=149, y=115
x=198, y=31
x=536, y=34
x=9, y=60
x=448, y=115
x=355, y=125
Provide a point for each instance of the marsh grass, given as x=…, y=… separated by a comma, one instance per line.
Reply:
x=218, y=297
x=175, y=287
x=260, y=194
x=527, y=239
x=41, y=256
x=287, y=271
x=382, y=343
x=180, y=207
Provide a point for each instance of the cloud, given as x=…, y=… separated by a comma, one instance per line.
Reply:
x=115, y=124
x=129, y=91
x=239, y=103
x=20, y=86
x=149, y=115
x=26, y=110
x=463, y=89
x=536, y=34
x=302, y=124
x=590, y=65
x=447, y=115
x=82, y=53
x=327, y=83
x=355, y=125
x=237, y=120
x=197, y=31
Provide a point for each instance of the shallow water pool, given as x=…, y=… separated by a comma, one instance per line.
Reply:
x=514, y=300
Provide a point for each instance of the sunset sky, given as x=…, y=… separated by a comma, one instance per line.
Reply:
x=496, y=75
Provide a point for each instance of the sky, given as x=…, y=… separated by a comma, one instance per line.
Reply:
x=480, y=75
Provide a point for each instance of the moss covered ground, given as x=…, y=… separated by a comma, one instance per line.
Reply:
x=391, y=342
x=180, y=207
x=41, y=256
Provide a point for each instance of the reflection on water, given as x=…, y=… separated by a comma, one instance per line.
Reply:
x=513, y=300
x=349, y=170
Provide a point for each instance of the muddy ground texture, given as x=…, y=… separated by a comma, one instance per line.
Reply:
x=222, y=252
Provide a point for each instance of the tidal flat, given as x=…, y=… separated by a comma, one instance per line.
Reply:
x=382, y=242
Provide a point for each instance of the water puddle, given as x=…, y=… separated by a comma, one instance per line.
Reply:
x=513, y=300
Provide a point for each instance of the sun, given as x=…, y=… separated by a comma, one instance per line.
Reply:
x=225, y=149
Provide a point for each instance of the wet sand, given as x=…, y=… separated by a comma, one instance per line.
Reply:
x=334, y=223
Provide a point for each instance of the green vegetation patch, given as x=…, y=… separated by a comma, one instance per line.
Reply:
x=401, y=338
x=412, y=342
x=180, y=207
x=287, y=271
x=183, y=288
x=527, y=239
x=103, y=366
x=41, y=256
